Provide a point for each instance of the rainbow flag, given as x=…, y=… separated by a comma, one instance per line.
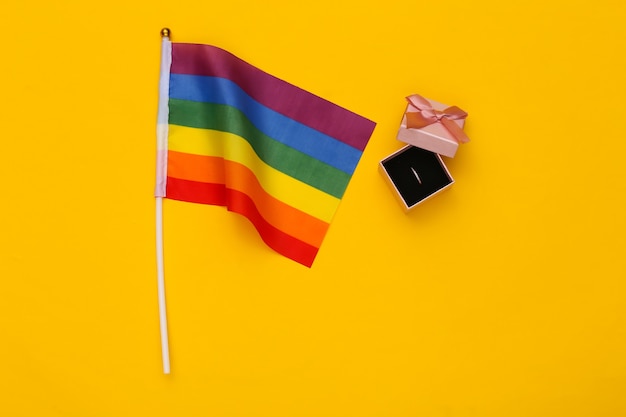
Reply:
x=235, y=136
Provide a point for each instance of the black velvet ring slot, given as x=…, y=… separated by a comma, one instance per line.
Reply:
x=416, y=174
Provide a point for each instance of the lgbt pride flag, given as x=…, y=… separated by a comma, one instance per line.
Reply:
x=232, y=135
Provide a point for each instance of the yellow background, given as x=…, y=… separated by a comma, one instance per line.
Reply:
x=503, y=296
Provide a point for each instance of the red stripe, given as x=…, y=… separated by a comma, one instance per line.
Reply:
x=238, y=202
x=278, y=95
x=195, y=192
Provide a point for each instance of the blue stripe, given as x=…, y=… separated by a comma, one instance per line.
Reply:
x=275, y=125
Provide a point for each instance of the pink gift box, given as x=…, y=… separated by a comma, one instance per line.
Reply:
x=438, y=136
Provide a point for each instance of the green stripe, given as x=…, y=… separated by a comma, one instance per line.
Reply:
x=283, y=158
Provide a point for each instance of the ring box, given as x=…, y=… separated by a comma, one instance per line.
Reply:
x=415, y=175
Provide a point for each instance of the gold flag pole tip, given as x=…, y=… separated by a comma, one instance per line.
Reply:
x=165, y=32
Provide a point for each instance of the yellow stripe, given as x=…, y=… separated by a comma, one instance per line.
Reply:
x=281, y=186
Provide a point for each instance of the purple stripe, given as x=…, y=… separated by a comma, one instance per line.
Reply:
x=278, y=95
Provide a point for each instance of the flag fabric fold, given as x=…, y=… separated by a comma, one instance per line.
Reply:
x=235, y=136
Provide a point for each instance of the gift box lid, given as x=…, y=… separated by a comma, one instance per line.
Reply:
x=433, y=126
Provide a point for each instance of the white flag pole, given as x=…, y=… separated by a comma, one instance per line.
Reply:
x=162, y=132
x=165, y=349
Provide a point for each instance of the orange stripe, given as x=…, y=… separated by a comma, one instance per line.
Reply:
x=211, y=169
x=194, y=167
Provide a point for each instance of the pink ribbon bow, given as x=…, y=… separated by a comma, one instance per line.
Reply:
x=426, y=115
